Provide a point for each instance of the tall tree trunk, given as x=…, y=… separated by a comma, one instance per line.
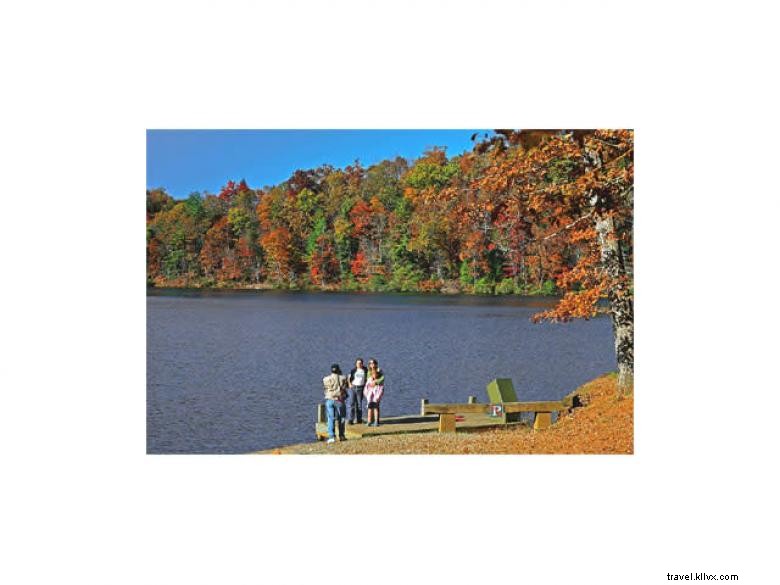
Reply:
x=621, y=302
x=621, y=299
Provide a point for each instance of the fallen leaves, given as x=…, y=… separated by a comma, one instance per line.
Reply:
x=604, y=426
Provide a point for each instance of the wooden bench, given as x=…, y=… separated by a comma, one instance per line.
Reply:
x=498, y=390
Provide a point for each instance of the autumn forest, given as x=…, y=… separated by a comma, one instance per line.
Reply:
x=524, y=212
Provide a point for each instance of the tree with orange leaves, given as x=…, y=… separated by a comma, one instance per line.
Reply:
x=278, y=248
x=216, y=246
x=578, y=187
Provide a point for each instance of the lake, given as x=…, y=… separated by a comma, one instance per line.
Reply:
x=240, y=371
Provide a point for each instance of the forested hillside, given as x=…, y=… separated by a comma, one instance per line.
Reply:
x=513, y=216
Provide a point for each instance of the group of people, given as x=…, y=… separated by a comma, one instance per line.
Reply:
x=345, y=395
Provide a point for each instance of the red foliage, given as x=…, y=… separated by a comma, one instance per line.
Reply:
x=153, y=257
x=359, y=267
x=360, y=216
x=228, y=192
x=324, y=265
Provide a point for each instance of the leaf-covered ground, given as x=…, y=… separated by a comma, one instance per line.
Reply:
x=605, y=424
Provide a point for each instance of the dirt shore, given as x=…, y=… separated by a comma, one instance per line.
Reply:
x=603, y=425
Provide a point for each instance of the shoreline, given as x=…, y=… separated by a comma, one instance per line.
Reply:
x=543, y=300
x=444, y=291
x=603, y=424
x=253, y=288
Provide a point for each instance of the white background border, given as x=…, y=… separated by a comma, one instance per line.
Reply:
x=82, y=502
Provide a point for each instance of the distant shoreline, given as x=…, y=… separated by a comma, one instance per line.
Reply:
x=444, y=291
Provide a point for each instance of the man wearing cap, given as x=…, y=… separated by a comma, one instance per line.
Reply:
x=335, y=391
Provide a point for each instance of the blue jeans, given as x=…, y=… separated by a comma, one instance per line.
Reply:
x=355, y=404
x=336, y=413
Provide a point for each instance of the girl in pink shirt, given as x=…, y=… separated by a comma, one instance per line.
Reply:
x=375, y=388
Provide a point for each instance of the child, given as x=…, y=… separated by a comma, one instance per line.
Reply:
x=375, y=387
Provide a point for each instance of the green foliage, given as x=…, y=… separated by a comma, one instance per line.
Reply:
x=377, y=283
x=484, y=285
x=174, y=260
x=505, y=287
x=194, y=206
x=548, y=288
x=466, y=277
x=405, y=278
x=426, y=173
x=214, y=208
x=239, y=220
x=383, y=180
x=348, y=283
x=278, y=213
x=560, y=170
x=307, y=201
x=346, y=206
x=311, y=242
x=403, y=211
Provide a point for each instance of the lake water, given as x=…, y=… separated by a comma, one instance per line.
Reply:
x=239, y=371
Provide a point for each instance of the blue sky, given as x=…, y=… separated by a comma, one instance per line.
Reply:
x=184, y=161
